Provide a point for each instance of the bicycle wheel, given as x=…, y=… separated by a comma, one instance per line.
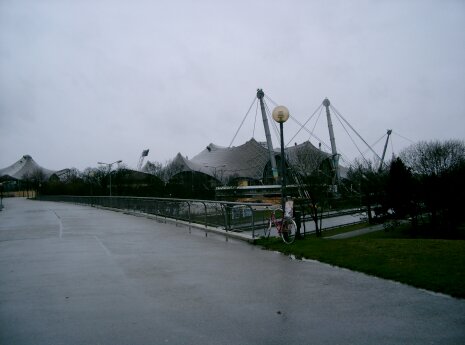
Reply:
x=288, y=231
x=267, y=229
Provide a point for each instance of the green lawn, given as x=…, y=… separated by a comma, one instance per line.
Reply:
x=433, y=264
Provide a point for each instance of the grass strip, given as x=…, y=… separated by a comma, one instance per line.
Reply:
x=432, y=264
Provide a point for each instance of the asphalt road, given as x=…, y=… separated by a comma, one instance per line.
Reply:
x=78, y=275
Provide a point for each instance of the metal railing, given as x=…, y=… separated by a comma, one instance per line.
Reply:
x=231, y=216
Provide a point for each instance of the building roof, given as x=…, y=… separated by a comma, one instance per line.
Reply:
x=305, y=157
x=25, y=167
x=223, y=163
x=246, y=161
x=181, y=164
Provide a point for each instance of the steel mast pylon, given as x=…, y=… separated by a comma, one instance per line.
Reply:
x=335, y=155
x=389, y=132
x=260, y=95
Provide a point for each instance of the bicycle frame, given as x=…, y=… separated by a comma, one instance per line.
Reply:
x=285, y=226
x=278, y=223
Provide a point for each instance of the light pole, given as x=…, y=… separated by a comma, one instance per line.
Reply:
x=1, y=195
x=215, y=171
x=110, y=165
x=280, y=115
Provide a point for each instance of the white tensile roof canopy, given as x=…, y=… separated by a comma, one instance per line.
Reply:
x=24, y=168
x=247, y=161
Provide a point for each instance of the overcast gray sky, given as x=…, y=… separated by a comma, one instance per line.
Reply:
x=87, y=81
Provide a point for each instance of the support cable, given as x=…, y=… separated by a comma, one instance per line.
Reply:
x=317, y=119
x=350, y=137
x=353, y=129
x=255, y=120
x=376, y=142
x=269, y=98
x=403, y=137
x=275, y=127
x=309, y=132
x=248, y=111
x=302, y=126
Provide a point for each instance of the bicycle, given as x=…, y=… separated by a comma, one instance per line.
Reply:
x=286, y=227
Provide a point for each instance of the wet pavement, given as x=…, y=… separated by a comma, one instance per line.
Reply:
x=73, y=274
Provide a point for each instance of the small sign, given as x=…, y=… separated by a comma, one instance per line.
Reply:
x=289, y=209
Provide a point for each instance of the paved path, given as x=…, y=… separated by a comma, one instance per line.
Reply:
x=356, y=233
x=79, y=275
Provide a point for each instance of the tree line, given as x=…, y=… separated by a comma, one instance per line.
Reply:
x=155, y=180
x=425, y=185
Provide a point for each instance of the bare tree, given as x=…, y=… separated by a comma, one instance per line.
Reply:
x=154, y=168
x=25, y=183
x=36, y=177
x=307, y=165
x=371, y=184
x=304, y=161
x=171, y=169
x=439, y=168
x=71, y=175
x=434, y=157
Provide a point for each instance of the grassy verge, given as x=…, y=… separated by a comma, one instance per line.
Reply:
x=433, y=264
x=343, y=229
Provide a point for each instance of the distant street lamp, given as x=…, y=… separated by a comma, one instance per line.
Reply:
x=110, y=165
x=1, y=195
x=215, y=170
x=281, y=114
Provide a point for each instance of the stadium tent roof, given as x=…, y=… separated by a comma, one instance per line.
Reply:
x=223, y=163
x=305, y=157
x=181, y=164
x=23, y=168
x=247, y=161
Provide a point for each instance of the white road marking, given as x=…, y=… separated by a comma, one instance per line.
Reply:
x=60, y=231
x=102, y=245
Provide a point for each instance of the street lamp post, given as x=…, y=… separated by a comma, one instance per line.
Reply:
x=280, y=115
x=215, y=170
x=1, y=196
x=110, y=165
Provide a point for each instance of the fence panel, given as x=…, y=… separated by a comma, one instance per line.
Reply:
x=231, y=216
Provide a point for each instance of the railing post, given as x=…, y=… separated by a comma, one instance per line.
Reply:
x=189, y=213
x=164, y=210
x=302, y=215
x=206, y=218
x=176, y=203
x=253, y=221
x=157, y=209
x=224, y=208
